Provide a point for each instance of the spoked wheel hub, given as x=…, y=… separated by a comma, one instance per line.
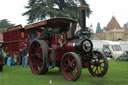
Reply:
x=98, y=64
x=71, y=66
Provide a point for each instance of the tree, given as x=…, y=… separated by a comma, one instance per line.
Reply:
x=98, y=28
x=42, y=9
x=5, y=23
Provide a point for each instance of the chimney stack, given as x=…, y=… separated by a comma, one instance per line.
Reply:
x=82, y=17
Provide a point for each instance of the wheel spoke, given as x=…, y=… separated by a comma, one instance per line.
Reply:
x=35, y=65
x=33, y=47
x=101, y=60
x=73, y=74
x=72, y=62
x=100, y=68
x=68, y=59
x=93, y=67
x=40, y=63
x=39, y=49
x=97, y=70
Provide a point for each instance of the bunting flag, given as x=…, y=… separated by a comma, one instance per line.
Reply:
x=78, y=28
x=91, y=28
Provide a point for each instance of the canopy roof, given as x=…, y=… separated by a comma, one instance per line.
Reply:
x=53, y=23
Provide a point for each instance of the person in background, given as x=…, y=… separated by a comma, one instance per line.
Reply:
x=10, y=61
x=24, y=56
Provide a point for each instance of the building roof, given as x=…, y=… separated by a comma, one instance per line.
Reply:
x=113, y=24
x=100, y=36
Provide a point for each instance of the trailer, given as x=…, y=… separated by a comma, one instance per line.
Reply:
x=15, y=37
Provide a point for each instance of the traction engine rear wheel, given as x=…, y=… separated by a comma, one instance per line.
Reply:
x=71, y=66
x=98, y=64
x=37, y=57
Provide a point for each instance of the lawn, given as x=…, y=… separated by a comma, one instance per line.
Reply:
x=16, y=75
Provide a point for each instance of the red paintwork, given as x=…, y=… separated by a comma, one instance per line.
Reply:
x=14, y=40
x=15, y=28
x=69, y=46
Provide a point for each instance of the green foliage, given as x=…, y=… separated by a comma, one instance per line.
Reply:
x=98, y=28
x=5, y=24
x=16, y=75
x=42, y=9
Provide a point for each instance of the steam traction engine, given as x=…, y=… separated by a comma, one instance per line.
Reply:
x=59, y=46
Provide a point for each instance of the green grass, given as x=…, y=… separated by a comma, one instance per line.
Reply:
x=16, y=75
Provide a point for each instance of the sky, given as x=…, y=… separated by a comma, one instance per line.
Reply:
x=13, y=10
x=103, y=10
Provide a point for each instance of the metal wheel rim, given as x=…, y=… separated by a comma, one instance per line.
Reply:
x=36, y=57
x=97, y=66
x=69, y=67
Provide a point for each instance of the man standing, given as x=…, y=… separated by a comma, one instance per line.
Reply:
x=24, y=56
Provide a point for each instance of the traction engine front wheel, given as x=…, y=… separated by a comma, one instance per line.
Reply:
x=98, y=64
x=37, y=57
x=71, y=66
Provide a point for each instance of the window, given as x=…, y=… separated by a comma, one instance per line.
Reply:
x=116, y=48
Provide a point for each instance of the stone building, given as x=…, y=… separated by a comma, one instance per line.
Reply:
x=113, y=31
